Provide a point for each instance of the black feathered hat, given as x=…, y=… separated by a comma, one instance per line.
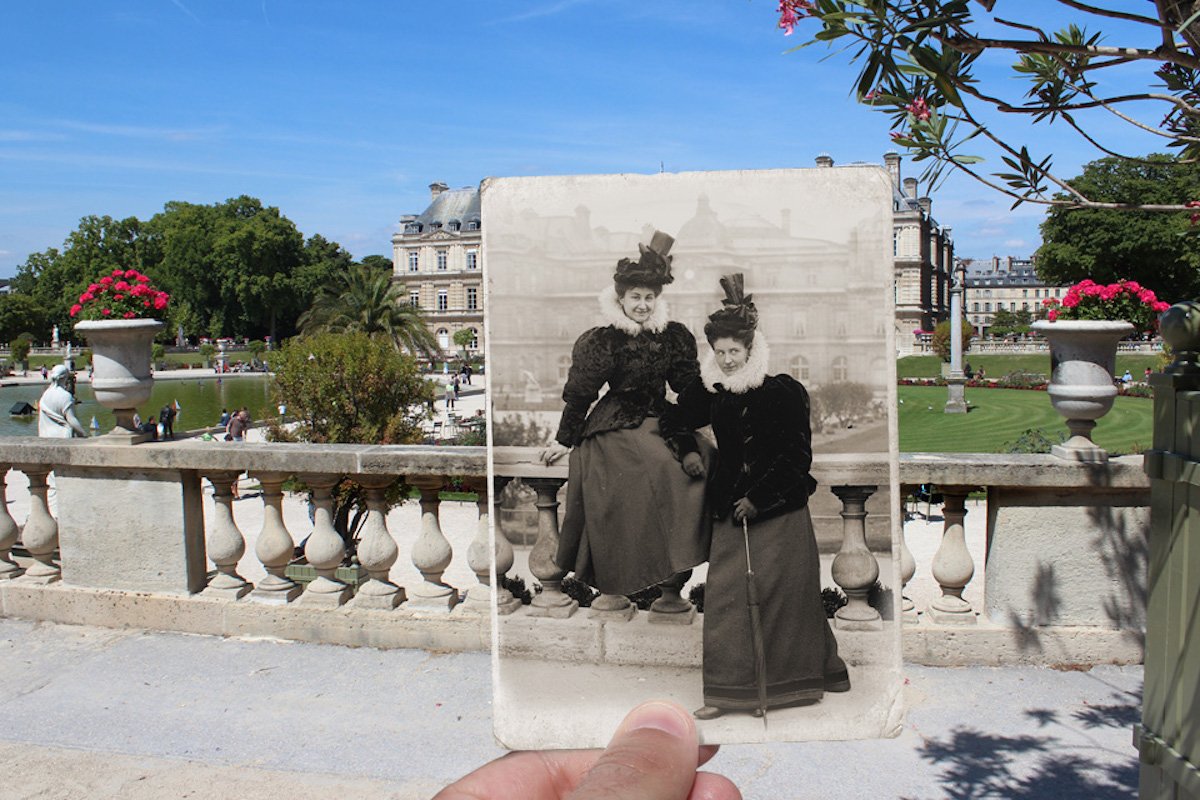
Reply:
x=653, y=267
x=737, y=315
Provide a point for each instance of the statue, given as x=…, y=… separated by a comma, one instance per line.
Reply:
x=54, y=338
x=56, y=409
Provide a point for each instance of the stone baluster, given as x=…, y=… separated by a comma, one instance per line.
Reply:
x=854, y=568
x=477, y=601
x=952, y=564
x=275, y=546
x=9, y=569
x=432, y=552
x=225, y=542
x=40, y=534
x=324, y=549
x=506, y=603
x=671, y=607
x=377, y=550
x=550, y=602
x=908, y=565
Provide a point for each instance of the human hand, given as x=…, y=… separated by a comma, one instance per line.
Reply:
x=553, y=452
x=693, y=465
x=654, y=755
x=744, y=509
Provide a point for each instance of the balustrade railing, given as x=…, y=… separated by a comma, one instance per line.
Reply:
x=1065, y=545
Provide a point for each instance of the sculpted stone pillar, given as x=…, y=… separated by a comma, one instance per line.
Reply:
x=672, y=608
x=8, y=531
x=506, y=603
x=854, y=568
x=324, y=549
x=550, y=602
x=377, y=550
x=908, y=566
x=225, y=542
x=432, y=552
x=40, y=534
x=275, y=546
x=478, y=599
x=952, y=564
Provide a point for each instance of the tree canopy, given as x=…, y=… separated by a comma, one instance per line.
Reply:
x=236, y=268
x=1108, y=246
x=919, y=64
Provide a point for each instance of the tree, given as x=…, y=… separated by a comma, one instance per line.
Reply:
x=941, y=338
x=350, y=388
x=20, y=313
x=364, y=301
x=377, y=263
x=256, y=347
x=1005, y=322
x=918, y=65
x=19, y=349
x=463, y=338
x=1108, y=246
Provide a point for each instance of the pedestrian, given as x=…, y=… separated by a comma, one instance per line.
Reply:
x=44, y=372
x=237, y=427
x=466, y=371
x=456, y=387
x=166, y=418
x=1148, y=371
x=224, y=421
x=1127, y=378
x=449, y=394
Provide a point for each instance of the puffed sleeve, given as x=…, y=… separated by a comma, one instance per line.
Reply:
x=783, y=459
x=684, y=369
x=691, y=411
x=591, y=364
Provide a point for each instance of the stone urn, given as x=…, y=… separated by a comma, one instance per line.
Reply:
x=1083, y=360
x=121, y=378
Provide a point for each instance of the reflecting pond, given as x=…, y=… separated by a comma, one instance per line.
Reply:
x=200, y=402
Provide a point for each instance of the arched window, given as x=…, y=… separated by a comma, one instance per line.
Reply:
x=841, y=369
x=800, y=368
x=443, y=338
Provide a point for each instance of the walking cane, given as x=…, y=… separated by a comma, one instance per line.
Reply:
x=756, y=633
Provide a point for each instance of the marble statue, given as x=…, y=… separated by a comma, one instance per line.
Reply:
x=56, y=409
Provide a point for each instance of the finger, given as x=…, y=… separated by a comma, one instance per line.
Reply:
x=652, y=756
x=710, y=786
x=707, y=751
x=530, y=775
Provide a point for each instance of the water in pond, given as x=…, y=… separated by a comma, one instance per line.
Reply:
x=200, y=402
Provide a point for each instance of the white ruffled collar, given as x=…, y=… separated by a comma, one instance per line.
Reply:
x=750, y=376
x=610, y=308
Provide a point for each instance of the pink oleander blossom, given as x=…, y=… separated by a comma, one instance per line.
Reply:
x=1124, y=300
x=790, y=13
x=919, y=109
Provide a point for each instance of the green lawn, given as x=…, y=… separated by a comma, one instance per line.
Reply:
x=998, y=365
x=998, y=416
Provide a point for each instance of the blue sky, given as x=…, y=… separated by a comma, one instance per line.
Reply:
x=341, y=114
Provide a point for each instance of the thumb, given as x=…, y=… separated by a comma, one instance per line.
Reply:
x=652, y=756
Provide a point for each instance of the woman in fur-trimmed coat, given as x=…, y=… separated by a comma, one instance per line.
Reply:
x=761, y=423
x=633, y=519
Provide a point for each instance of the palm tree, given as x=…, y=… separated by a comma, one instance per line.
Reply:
x=366, y=300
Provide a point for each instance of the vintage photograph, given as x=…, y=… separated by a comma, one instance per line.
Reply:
x=691, y=379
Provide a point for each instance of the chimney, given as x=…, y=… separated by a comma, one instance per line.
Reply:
x=891, y=160
x=925, y=203
x=824, y=160
x=910, y=188
x=437, y=188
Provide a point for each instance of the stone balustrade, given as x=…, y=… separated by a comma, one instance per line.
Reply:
x=133, y=537
x=136, y=544
x=1065, y=562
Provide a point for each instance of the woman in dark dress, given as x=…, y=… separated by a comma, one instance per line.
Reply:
x=633, y=519
x=761, y=479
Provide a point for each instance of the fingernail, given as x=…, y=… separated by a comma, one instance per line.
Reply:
x=666, y=717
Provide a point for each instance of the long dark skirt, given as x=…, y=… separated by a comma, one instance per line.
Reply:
x=633, y=517
x=801, y=653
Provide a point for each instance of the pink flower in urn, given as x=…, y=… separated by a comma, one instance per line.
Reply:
x=118, y=273
x=129, y=314
x=75, y=309
x=142, y=279
x=1160, y=306
x=106, y=311
x=1070, y=301
x=122, y=286
x=106, y=281
x=131, y=273
x=1052, y=315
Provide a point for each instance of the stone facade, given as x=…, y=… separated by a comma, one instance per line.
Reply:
x=437, y=257
x=1009, y=284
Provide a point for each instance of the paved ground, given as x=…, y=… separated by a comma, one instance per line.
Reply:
x=92, y=713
